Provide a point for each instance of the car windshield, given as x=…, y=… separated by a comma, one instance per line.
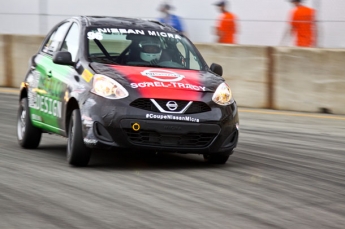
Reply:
x=139, y=47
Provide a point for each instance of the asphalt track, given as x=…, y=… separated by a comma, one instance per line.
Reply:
x=287, y=172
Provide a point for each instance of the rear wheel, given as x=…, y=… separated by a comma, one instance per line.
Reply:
x=29, y=136
x=78, y=154
x=218, y=158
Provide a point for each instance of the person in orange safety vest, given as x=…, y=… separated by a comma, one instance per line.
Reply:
x=302, y=25
x=226, y=27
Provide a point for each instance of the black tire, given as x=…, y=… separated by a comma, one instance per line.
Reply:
x=28, y=136
x=218, y=158
x=78, y=154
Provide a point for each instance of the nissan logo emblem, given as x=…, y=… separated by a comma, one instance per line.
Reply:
x=172, y=105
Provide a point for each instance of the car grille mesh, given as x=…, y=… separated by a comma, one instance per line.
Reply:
x=153, y=138
x=146, y=104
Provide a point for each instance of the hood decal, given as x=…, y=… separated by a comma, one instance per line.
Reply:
x=161, y=83
x=164, y=83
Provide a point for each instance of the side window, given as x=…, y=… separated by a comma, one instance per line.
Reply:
x=71, y=43
x=181, y=48
x=190, y=59
x=194, y=62
x=55, y=39
x=49, y=42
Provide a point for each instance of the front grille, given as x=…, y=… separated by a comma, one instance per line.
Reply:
x=198, y=107
x=181, y=104
x=146, y=104
x=153, y=138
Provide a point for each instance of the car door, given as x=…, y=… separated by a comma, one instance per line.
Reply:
x=59, y=78
x=49, y=100
x=62, y=77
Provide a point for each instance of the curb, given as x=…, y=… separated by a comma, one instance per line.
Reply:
x=8, y=90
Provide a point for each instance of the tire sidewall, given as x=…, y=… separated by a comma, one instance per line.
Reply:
x=19, y=116
x=71, y=139
x=78, y=154
x=32, y=135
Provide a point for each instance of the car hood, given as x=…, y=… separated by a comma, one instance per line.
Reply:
x=161, y=82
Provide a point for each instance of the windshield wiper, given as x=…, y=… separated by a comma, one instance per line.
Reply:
x=103, y=60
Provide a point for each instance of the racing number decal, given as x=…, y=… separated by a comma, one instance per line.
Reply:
x=94, y=35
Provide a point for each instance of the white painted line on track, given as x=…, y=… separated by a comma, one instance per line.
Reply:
x=292, y=113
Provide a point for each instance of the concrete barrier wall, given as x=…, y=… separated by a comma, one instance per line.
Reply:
x=310, y=80
x=23, y=48
x=244, y=69
x=2, y=61
x=15, y=53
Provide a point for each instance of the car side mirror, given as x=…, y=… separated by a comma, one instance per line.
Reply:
x=63, y=58
x=216, y=68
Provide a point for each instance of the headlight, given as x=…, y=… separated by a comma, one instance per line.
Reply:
x=223, y=95
x=108, y=88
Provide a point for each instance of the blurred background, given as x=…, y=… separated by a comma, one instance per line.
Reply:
x=288, y=170
x=261, y=22
x=263, y=71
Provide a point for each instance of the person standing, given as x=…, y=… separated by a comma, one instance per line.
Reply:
x=226, y=26
x=302, y=25
x=169, y=18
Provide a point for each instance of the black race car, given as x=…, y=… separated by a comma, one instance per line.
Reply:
x=117, y=83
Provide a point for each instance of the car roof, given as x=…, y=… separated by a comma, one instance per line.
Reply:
x=106, y=21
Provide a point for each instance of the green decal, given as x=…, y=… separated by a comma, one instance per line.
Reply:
x=46, y=93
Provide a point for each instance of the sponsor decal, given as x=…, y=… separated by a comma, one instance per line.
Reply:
x=153, y=83
x=46, y=105
x=163, y=34
x=87, y=75
x=42, y=85
x=162, y=75
x=172, y=117
x=100, y=31
x=34, y=79
x=90, y=141
x=167, y=85
x=78, y=90
x=78, y=64
x=36, y=117
x=87, y=121
x=42, y=103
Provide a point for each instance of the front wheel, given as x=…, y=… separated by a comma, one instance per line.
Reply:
x=29, y=136
x=218, y=158
x=78, y=154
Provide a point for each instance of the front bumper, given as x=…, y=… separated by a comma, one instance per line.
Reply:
x=114, y=124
